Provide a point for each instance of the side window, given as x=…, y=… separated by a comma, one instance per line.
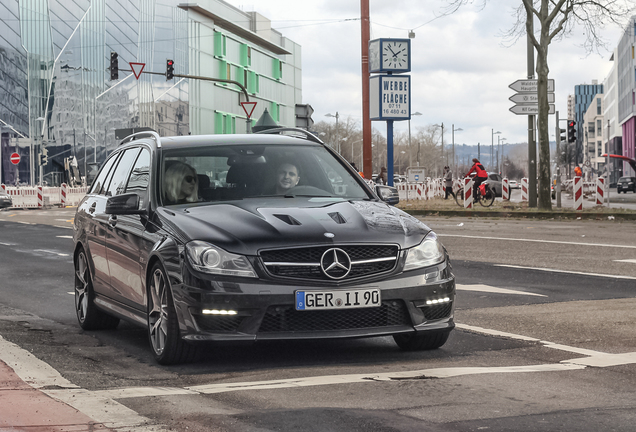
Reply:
x=117, y=184
x=140, y=177
x=100, y=180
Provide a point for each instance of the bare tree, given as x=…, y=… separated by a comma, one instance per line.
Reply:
x=557, y=18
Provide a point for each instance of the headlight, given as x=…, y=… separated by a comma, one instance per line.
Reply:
x=427, y=253
x=210, y=259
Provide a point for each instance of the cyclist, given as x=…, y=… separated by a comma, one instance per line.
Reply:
x=480, y=176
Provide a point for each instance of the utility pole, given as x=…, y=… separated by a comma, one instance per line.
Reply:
x=367, y=165
x=532, y=147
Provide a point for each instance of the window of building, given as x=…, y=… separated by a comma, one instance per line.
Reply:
x=600, y=148
x=599, y=127
x=598, y=106
x=590, y=129
x=277, y=69
x=220, y=44
x=246, y=55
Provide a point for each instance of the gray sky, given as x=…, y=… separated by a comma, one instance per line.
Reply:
x=461, y=64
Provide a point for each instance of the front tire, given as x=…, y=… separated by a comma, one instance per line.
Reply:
x=163, y=327
x=88, y=316
x=488, y=199
x=421, y=341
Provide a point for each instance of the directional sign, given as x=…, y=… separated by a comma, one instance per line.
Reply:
x=15, y=158
x=137, y=68
x=531, y=98
x=248, y=107
x=530, y=85
x=530, y=109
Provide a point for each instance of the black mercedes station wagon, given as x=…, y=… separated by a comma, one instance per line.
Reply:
x=267, y=236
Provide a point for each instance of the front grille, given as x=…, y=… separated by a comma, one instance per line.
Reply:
x=288, y=319
x=437, y=311
x=304, y=263
x=216, y=323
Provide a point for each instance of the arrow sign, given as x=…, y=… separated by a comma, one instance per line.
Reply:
x=530, y=85
x=248, y=107
x=137, y=68
x=15, y=158
x=532, y=98
x=530, y=109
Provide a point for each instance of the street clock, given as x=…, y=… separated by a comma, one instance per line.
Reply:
x=390, y=55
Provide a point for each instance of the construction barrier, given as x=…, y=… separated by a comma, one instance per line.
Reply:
x=524, y=189
x=505, y=189
x=468, y=193
x=578, y=193
x=600, y=191
x=40, y=197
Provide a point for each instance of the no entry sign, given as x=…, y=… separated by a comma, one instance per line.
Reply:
x=15, y=158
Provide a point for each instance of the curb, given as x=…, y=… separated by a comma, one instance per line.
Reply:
x=524, y=214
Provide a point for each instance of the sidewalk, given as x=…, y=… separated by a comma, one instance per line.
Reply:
x=24, y=408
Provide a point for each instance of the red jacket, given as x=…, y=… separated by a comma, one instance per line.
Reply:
x=479, y=169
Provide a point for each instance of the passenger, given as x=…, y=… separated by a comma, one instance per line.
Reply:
x=287, y=177
x=181, y=184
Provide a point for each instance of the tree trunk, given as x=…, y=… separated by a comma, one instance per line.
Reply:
x=544, y=201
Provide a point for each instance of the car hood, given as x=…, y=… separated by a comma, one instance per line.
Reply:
x=248, y=226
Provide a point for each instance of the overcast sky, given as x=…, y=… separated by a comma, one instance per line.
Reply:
x=461, y=63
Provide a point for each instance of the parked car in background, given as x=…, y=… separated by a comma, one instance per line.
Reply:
x=514, y=184
x=5, y=199
x=494, y=181
x=626, y=184
x=277, y=251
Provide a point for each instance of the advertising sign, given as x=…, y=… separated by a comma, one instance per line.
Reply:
x=390, y=97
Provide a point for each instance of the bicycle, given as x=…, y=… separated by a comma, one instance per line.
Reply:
x=486, y=200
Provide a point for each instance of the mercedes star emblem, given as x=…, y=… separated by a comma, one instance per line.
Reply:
x=335, y=263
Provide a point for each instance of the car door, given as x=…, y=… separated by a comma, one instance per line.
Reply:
x=90, y=215
x=125, y=233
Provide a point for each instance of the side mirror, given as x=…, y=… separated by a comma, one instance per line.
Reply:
x=388, y=194
x=124, y=204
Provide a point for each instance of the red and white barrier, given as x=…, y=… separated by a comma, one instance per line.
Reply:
x=600, y=191
x=505, y=189
x=468, y=193
x=63, y=195
x=524, y=189
x=39, y=197
x=578, y=193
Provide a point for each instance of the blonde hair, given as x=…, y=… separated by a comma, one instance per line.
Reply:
x=174, y=177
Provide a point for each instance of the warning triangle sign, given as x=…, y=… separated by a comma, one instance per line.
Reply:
x=137, y=68
x=248, y=107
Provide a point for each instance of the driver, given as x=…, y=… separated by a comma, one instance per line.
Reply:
x=286, y=178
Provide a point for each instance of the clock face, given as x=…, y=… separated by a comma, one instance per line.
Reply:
x=395, y=55
x=374, y=55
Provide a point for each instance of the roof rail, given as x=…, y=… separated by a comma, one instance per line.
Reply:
x=310, y=136
x=132, y=137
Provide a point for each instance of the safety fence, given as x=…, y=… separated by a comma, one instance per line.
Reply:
x=40, y=197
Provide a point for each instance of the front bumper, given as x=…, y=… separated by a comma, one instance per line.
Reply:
x=265, y=310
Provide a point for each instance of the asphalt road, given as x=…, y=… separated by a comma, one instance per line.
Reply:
x=545, y=342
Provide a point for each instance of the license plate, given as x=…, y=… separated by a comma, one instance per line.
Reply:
x=349, y=299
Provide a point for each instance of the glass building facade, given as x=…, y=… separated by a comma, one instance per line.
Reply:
x=56, y=92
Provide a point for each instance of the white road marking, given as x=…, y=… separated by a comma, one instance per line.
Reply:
x=540, y=241
x=62, y=226
x=51, y=252
x=101, y=406
x=65, y=236
x=491, y=289
x=633, y=261
x=567, y=271
x=8, y=244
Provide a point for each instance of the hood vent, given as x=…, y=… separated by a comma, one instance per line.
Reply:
x=338, y=218
x=288, y=219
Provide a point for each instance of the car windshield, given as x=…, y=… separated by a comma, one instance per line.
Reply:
x=223, y=173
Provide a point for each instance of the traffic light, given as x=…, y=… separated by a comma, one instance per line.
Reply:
x=114, y=66
x=169, y=69
x=562, y=136
x=571, y=131
x=44, y=159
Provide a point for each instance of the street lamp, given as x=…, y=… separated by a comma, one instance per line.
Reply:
x=418, y=142
x=32, y=156
x=500, y=141
x=453, y=138
x=492, y=145
x=337, y=141
x=442, y=126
